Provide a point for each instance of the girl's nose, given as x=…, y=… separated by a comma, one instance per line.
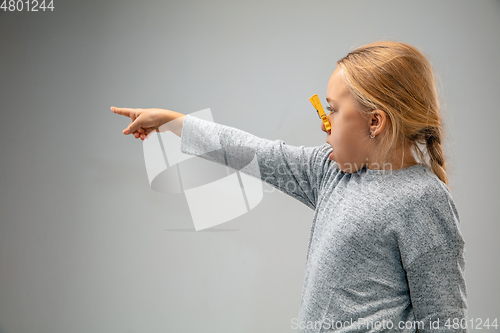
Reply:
x=324, y=129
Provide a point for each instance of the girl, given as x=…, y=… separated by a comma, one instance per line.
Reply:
x=385, y=251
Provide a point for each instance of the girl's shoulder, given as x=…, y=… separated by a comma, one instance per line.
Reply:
x=423, y=186
x=412, y=184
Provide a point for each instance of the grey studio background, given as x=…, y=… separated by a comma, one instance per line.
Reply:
x=87, y=246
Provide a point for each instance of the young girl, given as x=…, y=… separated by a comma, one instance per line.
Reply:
x=385, y=252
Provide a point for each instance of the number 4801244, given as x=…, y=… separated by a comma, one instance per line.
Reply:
x=28, y=5
x=475, y=323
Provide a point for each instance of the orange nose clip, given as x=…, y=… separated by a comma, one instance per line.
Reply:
x=319, y=108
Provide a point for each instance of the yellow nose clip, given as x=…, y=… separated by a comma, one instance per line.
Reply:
x=319, y=108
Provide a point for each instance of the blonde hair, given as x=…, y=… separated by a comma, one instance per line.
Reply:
x=397, y=79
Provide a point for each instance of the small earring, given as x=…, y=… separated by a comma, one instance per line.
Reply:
x=371, y=136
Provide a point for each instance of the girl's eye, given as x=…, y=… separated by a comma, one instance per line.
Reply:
x=330, y=109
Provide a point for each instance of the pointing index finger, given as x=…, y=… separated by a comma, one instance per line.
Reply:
x=128, y=112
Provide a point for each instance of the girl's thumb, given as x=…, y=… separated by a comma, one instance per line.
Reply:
x=128, y=130
x=133, y=126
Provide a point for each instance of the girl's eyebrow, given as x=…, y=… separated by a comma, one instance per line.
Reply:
x=330, y=100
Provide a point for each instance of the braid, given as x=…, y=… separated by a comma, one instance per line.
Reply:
x=433, y=136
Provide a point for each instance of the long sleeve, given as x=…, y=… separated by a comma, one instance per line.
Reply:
x=433, y=256
x=438, y=291
x=296, y=171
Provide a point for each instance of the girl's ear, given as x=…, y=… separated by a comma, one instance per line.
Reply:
x=377, y=121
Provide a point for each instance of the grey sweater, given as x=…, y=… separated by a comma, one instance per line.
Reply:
x=385, y=251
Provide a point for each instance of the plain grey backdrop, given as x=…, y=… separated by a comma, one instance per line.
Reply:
x=87, y=246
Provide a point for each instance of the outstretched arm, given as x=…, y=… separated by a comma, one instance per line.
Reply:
x=296, y=171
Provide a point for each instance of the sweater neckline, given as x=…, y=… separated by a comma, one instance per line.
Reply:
x=392, y=172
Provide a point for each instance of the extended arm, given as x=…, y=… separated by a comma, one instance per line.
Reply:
x=296, y=171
